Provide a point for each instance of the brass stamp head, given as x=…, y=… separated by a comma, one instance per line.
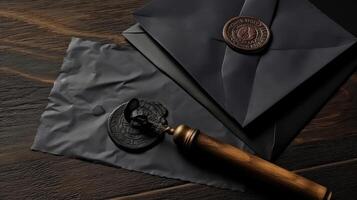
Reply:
x=184, y=136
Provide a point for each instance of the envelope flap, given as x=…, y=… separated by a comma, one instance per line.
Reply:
x=264, y=10
x=189, y=34
x=238, y=70
x=285, y=76
x=304, y=40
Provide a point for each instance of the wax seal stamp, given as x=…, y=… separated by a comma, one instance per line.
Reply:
x=134, y=126
x=246, y=34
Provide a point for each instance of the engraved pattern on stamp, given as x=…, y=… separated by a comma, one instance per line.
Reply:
x=246, y=34
x=131, y=139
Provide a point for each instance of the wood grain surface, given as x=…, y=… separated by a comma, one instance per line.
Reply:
x=34, y=35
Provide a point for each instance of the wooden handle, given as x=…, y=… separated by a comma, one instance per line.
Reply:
x=189, y=139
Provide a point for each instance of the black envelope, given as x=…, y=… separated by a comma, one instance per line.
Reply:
x=267, y=97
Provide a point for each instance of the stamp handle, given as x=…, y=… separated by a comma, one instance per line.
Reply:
x=193, y=140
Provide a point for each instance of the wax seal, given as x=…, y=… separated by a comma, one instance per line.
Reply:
x=246, y=34
x=133, y=125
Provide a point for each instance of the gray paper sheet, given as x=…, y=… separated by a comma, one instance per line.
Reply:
x=99, y=77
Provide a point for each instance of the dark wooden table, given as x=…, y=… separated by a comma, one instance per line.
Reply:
x=33, y=39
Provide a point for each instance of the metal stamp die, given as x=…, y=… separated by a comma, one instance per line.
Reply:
x=246, y=34
x=133, y=139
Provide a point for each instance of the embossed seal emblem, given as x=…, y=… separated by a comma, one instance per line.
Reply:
x=247, y=34
x=126, y=134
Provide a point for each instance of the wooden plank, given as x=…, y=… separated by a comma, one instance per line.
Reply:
x=33, y=32
x=319, y=152
x=339, y=177
x=34, y=36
